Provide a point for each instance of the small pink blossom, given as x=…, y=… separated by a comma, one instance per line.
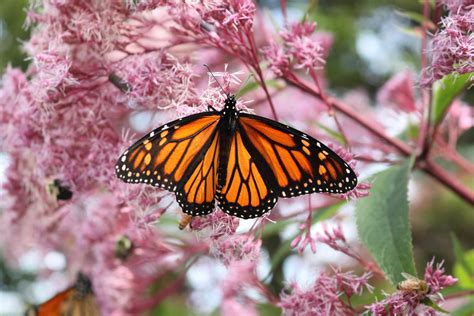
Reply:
x=462, y=114
x=306, y=52
x=436, y=277
x=278, y=58
x=218, y=222
x=398, y=93
x=457, y=5
x=157, y=81
x=241, y=277
x=324, y=297
x=301, y=48
x=305, y=238
x=237, y=248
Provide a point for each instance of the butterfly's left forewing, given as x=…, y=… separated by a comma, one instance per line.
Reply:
x=163, y=157
x=181, y=157
x=300, y=163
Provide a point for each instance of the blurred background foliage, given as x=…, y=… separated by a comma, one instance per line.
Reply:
x=371, y=43
x=12, y=33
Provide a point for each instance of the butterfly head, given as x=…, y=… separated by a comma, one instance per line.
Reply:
x=230, y=102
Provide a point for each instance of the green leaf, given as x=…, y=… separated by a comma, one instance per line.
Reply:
x=427, y=301
x=333, y=133
x=460, y=255
x=463, y=270
x=383, y=225
x=416, y=17
x=444, y=92
x=252, y=85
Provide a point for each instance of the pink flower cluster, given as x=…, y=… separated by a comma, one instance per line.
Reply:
x=404, y=302
x=301, y=49
x=326, y=296
x=453, y=45
x=398, y=93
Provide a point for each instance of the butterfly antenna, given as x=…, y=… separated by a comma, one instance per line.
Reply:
x=212, y=74
x=243, y=85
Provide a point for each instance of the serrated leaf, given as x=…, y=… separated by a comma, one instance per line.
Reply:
x=383, y=224
x=444, y=92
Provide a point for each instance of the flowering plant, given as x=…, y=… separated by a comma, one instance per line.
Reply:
x=104, y=72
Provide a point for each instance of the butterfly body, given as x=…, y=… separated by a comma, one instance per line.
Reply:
x=243, y=161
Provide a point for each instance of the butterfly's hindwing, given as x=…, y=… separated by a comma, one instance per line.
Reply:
x=196, y=192
x=248, y=189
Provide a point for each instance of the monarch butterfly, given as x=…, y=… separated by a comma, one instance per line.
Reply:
x=243, y=161
x=78, y=300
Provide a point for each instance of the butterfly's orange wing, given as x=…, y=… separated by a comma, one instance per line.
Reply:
x=68, y=302
x=181, y=157
x=52, y=306
x=196, y=194
x=299, y=163
x=249, y=187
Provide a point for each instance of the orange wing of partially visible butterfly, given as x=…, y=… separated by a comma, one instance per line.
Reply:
x=78, y=300
x=299, y=163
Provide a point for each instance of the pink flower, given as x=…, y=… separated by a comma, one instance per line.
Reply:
x=279, y=59
x=436, y=277
x=398, y=93
x=240, y=278
x=236, y=248
x=324, y=297
x=302, y=48
x=157, y=81
x=306, y=52
x=405, y=302
x=96, y=226
x=457, y=5
x=462, y=115
x=453, y=45
x=218, y=222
